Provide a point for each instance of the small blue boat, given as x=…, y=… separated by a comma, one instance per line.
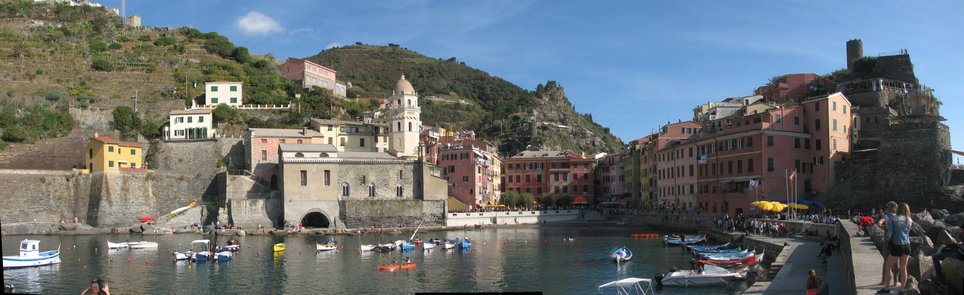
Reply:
x=465, y=244
x=621, y=254
x=408, y=246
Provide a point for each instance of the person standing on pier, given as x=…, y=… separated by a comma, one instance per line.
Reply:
x=898, y=233
x=815, y=284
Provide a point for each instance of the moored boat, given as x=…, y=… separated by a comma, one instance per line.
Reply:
x=428, y=245
x=629, y=286
x=279, y=247
x=142, y=245
x=396, y=267
x=117, y=245
x=233, y=246
x=449, y=245
x=366, y=248
x=685, y=240
x=179, y=256
x=31, y=256
x=223, y=256
x=326, y=247
x=621, y=254
x=407, y=246
x=200, y=250
x=709, y=276
x=465, y=244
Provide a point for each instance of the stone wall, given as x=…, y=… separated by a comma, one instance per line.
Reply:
x=511, y=217
x=897, y=67
x=249, y=213
x=367, y=213
x=42, y=196
x=198, y=156
x=119, y=199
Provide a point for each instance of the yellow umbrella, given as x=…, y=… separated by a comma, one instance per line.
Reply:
x=755, y=203
x=766, y=206
x=777, y=207
x=799, y=206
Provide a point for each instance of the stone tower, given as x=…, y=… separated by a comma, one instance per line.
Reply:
x=855, y=50
x=404, y=117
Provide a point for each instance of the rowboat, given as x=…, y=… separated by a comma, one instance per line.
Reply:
x=117, y=245
x=465, y=243
x=729, y=256
x=407, y=246
x=31, y=256
x=428, y=245
x=386, y=247
x=142, y=245
x=395, y=267
x=223, y=256
x=449, y=245
x=178, y=256
x=709, y=247
x=621, y=254
x=711, y=275
x=279, y=247
x=690, y=239
x=366, y=248
x=629, y=286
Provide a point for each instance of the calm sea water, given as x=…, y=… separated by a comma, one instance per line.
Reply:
x=501, y=260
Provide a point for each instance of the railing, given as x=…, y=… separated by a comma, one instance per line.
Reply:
x=249, y=106
x=242, y=172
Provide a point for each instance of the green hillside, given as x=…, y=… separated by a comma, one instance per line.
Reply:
x=460, y=97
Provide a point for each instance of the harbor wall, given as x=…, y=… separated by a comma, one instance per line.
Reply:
x=379, y=213
x=510, y=217
x=43, y=195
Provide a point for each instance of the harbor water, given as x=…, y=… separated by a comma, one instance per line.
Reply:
x=553, y=260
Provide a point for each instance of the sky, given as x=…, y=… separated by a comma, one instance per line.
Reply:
x=634, y=65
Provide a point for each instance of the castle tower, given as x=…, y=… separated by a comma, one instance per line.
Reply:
x=855, y=50
x=404, y=117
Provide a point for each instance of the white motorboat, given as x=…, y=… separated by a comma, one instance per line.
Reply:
x=428, y=245
x=711, y=275
x=180, y=256
x=142, y=245
x=223, y=256
x=369, y=247
x=621, y=254
x=31, y=256
x=117, y=245
x=203, y=253
x=629, y=286
x=449, y=245
x=326, y=247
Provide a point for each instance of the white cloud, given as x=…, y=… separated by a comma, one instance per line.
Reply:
x=333, y=45
x=256, y=23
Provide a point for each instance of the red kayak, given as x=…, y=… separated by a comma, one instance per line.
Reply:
x=395, y=267
x=147, y=219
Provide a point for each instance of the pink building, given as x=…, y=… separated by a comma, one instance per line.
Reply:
x=610, y=180
x=468, y=171
x=552, y=173
x=796, y=87
x=675, y=159
x=261, y=146
x=764, y=145
x=311, y=74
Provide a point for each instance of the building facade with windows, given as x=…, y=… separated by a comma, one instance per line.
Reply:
x=223, y=92
x=469, y=171
x=310, y=74
x=610, y=180
x=262, y=144
x=748, y=157
x=189, y=124
x=352, y=136
x=551, y=173
x=109, y=155
x=674, y=158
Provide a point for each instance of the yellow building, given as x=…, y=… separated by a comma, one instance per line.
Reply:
x=352, y=136
x=109, y=155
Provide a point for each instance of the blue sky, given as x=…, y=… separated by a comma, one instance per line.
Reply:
x=633, y=65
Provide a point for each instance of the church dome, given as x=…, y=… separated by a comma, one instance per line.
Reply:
x=404, y=87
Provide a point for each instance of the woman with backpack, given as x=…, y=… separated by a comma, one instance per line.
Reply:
x=898, y=239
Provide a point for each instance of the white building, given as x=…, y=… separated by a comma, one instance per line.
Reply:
x=404, y=120
x=190, y=124
x=223, y=92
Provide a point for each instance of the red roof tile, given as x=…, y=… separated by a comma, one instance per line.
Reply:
x=110, y=140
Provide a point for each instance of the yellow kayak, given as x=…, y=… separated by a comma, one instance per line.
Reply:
x=279, y=247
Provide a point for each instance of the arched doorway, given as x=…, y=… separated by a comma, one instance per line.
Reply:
x=315, y=220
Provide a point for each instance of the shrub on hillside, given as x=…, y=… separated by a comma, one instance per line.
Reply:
x=126, y=121
x=53, y=95
x=241, y=55
x=219, y=45
x=98, y=47
x=21, y=124
x=224, y=113
x=101, y=64
x=144, y=38
x=114, y=46
x=165, y=41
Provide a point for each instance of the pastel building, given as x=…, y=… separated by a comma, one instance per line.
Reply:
x=223, y=92
x=551, y=173
x=261, y=146
x=796, y=87
x=748, y=157
x=351, y=135
x=109, y=155
x=468, y=170
x=310, y=74
x=610, y=181
x=189, y=124
x=675, y=162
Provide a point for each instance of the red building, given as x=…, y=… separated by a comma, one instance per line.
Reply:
x=467, y=168
x=550, y=173
x=748, y=156
x=675, y=161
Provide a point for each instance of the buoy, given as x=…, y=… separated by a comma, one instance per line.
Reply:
x=128, y=260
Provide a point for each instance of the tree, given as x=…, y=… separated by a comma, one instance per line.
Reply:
x=545, y=201
x=126, y=121
x=219, y=45
x=525, y=200
x=510, y=198
x=224, y=113
x=241, y=55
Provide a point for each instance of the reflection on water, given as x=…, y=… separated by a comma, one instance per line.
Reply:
x=552, y=260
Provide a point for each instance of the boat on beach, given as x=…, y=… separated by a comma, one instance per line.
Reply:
x=621, y=254
x=629, y=286
x=709, y=276
x=31, y=256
